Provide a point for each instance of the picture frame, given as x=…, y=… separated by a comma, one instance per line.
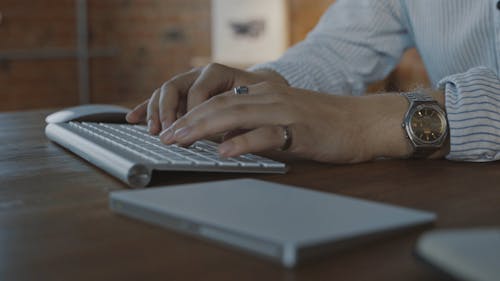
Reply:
x=247, y=32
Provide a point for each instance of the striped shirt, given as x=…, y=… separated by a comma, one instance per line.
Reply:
x=358, y=42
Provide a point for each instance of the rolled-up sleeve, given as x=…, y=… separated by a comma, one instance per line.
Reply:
x=342, y=55
x=472, y=106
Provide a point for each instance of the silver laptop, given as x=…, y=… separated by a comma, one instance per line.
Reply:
x=283, y=223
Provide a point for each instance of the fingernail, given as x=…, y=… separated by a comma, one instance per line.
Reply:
x=167, y=135
x=225, y=148
x=182, y=132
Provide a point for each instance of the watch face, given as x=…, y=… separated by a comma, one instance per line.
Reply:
x=428, y=124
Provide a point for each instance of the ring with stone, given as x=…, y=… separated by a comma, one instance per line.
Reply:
x=240, y=90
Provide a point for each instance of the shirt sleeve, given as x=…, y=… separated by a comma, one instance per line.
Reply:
x=355, y=43
x=472, y=108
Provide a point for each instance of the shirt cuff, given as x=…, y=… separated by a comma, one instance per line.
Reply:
x=472, y=108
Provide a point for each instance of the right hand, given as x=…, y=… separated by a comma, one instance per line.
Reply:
x=187, y=90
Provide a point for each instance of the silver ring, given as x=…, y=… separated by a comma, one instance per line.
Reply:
x=287, y=136
x=240, y=90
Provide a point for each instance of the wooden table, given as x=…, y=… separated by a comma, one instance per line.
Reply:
x=55, y=223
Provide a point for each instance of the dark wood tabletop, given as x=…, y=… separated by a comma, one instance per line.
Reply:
x=55, y=223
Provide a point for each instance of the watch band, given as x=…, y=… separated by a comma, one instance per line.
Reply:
x=417, y=96
x=422, y=152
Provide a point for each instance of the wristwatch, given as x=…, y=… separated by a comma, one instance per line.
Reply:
x=425, y=124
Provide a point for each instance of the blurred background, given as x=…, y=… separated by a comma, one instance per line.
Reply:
x=57, y=53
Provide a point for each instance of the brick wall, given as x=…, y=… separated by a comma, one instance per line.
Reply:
x=144, y=43
x=154, y=40
x=34, y=25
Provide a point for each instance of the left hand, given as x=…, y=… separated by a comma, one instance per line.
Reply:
x=327, y=128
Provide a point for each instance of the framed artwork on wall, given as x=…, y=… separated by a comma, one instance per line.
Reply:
x=246, y=32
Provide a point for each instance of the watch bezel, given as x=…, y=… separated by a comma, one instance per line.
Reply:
x=415, y=140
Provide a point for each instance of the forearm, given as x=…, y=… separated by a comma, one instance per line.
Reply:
x=471, y=100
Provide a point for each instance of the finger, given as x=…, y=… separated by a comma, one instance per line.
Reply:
x=153, y=118
x=213, y=80
x=181, y=109
x=192, y=116
x=260, y=139
x=172, y=94
x=231, y=134
x=242, y=116
x=218, y=107
x=257, y=95
x=138, y=114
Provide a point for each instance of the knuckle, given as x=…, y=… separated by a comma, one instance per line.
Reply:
x=279, y=96
x=213, y=66
x=151, y=102
x=268, y=84
x=271, y=87
x=153, y=116
x=264, y=85
x=278, y=106
x=242, y=142
x=179, y=123
x=196, y=69
x=175, y=77
x=152, y=109
x=165, y=114
x=167, y=95
x=154, y=96
x=152, y=106
x=241, y=109
x=201, y=125
x=276, y=132
x=196, y=92
x=219, y=101
x=168, y=86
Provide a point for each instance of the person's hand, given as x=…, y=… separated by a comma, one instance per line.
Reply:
x=326, y=128
x=187, y=90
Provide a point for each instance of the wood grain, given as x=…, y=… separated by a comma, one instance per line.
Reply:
x=55, y=223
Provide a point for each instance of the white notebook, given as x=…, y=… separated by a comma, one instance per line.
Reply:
x=283, y=223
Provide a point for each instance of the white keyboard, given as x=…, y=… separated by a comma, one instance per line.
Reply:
x=130, y=153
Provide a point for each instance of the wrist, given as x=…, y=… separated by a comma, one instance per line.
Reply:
x=385, y=136
x=392, y=140
x=386, y=133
